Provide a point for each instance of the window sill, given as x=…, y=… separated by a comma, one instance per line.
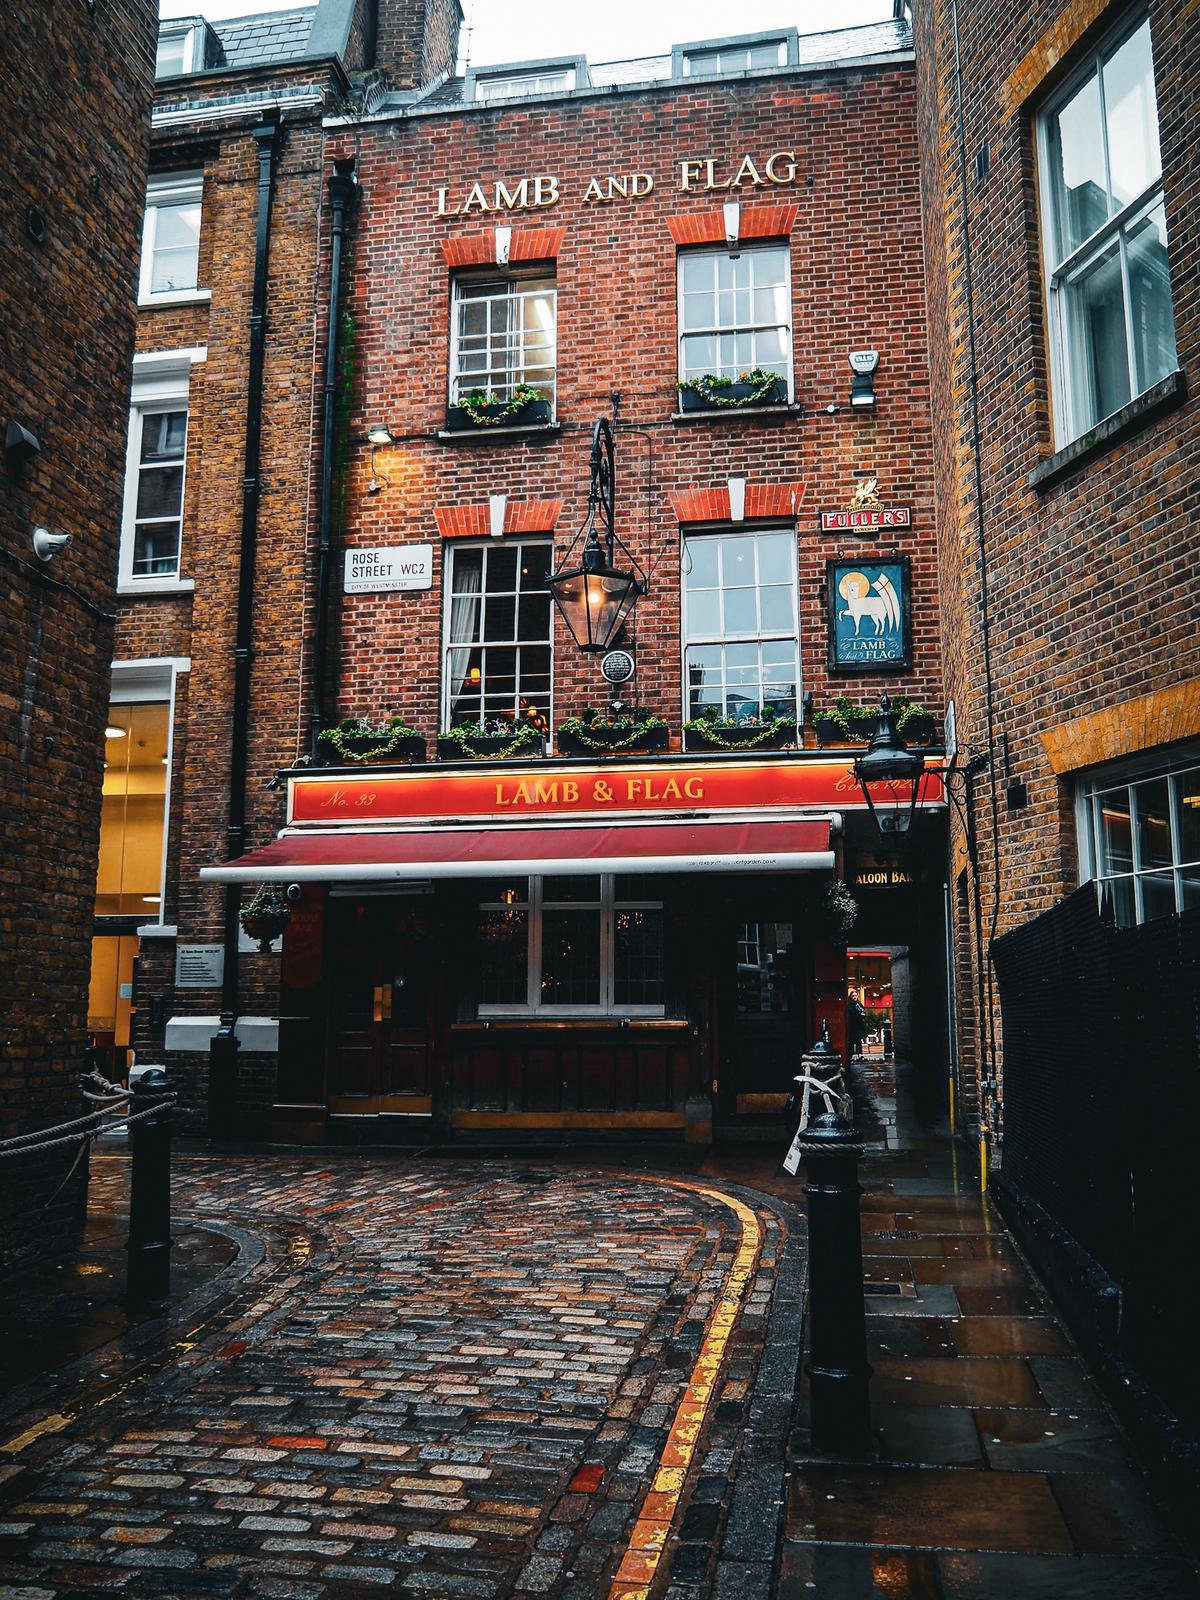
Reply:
x=731, y=413
x=1097, y=441
x=158, y=930
x=131, y=588
x=175, y=297
x=511, y=1024
x=483, y=435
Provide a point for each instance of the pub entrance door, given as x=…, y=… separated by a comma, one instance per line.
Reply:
x=380, y=1017
x=763, y=1022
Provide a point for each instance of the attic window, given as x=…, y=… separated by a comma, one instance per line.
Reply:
x=176, y=52
x=519, y=85
x=726, y=59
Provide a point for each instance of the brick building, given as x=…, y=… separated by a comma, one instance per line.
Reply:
x=545, y=944
x=1061, y=209
x=69, y=222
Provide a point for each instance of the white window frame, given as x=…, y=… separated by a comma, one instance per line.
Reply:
x=188, y=35
x=1065, y=402
x=691, y=333
x=606, y=908
x=688, y=638
x=734, y=47
x=153, y=680
x=451, y=549
x=506, y=86
x=513, y=280
x=161, y=382
x=1089, y=794
x=171, y=189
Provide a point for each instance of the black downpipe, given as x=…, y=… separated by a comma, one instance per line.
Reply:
x=342, y=187
x=266, y=136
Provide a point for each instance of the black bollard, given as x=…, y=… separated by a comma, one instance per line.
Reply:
x=223, y=1082
x=149, y=1274
x=838, y=1371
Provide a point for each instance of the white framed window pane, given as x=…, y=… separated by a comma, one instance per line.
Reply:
x=638, y=977
x=700, y=564
x=570, y=957
x=176, y=250
x=1153, y=825
x=741, y=613
x=1078, y=183
x=1098, y=357
x=704, y=612
x=504, y=949
x=1131, y=116
x=757, y=596
x=1187, y=789
x=1189, y=889
x=1158, y=895
x=158, y=498
x=1115, y=833
x=1151, y=312
x=775, y=553
x=170, y=55
x=505, y=335
x=498, y=630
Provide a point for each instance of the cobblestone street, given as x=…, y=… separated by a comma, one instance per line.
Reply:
x=458, y=1379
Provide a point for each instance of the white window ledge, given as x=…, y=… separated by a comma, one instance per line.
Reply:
x=158, y=930
x=175, y=297
x=143, y=586
x=196, y=1033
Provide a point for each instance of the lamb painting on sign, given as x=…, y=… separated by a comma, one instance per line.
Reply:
x=869, y=626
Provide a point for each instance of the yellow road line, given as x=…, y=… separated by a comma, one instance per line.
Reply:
x=649, y=1536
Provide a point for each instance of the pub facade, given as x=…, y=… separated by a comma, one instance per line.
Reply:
x=607, y=314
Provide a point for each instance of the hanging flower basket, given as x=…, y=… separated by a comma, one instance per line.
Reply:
x=838, y=912
x=356, y=741
x=266, y=916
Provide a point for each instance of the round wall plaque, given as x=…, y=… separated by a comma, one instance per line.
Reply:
x=618, y=666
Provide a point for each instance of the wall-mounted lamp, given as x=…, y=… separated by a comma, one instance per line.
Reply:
x=594, y=594
x=20, y=446
x=47, y=545
x=862, y=386
x=379, y=437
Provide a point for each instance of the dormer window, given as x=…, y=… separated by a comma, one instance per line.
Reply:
x=177, y=50
x=524, y=79
x=722, y=58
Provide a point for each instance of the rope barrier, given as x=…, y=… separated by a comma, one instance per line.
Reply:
x=34, y=1143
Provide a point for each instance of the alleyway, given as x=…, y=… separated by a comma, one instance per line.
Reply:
x=480, y=1378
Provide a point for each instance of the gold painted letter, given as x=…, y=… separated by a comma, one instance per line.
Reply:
x=545, y=190
x=787, y=174
x=689, y=174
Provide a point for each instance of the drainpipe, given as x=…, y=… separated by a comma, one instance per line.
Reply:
x=342, y=186
x=222, y=1086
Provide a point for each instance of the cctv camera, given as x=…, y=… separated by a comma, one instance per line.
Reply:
x=294, y=893
x=47, y=545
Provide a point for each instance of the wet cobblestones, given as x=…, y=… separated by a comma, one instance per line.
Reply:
x=444, y=1379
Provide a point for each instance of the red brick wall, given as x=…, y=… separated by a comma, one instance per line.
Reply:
x=66, y=333
x=856, y=268
x=1091, y=602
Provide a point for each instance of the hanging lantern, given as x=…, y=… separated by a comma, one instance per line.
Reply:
x=889, y=776
x=598, y=583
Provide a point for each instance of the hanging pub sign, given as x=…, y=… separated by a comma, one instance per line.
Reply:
x=869, y=627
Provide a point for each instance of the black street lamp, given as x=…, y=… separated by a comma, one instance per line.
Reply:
x=593, y=593
x=894, y=772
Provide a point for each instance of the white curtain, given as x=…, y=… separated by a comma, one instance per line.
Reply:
x=464, y=625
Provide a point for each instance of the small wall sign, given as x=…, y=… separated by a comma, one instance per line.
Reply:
x=380, y=568
x=869, y=628
x=866, y=513
x=199, y=966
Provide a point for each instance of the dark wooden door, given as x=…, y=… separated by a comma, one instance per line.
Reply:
x=380, y=1008
x=762, y=1018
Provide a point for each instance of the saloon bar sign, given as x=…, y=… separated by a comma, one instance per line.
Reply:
x=666, y=788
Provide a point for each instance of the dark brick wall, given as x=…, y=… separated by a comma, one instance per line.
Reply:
x=66, y=334
x=417, y=40
x=1090, y=600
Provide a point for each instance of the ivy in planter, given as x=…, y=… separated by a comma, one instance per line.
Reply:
x=845, y=723
x=494, y=739
x=761, y=729
x=483, y=408
x=266, y=916
x=913, y=722
x=358, y=740
x=637, y=729
x=758, y=387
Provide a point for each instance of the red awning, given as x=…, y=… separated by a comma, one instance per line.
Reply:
x=392, y=857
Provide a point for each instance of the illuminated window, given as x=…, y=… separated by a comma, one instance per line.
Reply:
x=1104, y=234
x=1140, y=837
x=498, y=625
x=569, y=945
x=741, y=648
x=133, y=812
x=504, y=335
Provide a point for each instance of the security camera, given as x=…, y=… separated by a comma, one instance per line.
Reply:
x=47, y=545
x=294, y=893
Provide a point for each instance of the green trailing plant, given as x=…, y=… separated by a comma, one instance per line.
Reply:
x=358, y=739
x=744, y=732
x=487, y=409
x=518, y=736
x=626, y=728
x=839, y=911
x=711, y=386
x=904, y=711
x=266, y=916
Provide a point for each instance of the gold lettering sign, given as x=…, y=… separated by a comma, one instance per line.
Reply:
x=538, y=191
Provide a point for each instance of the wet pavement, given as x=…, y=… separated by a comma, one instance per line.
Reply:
x=570, y=1376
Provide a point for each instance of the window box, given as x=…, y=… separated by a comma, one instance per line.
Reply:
x=367, y=751
x=829, y=730
x=603, y=738
x=732, y=396
x=734, y=739
x=533, y=414
x=492, y=747
x=355, y=743
x=919, y=728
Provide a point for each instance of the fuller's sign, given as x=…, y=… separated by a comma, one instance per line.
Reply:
x=665, y=788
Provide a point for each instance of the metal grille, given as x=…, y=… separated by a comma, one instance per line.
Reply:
x=1102, y=1103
